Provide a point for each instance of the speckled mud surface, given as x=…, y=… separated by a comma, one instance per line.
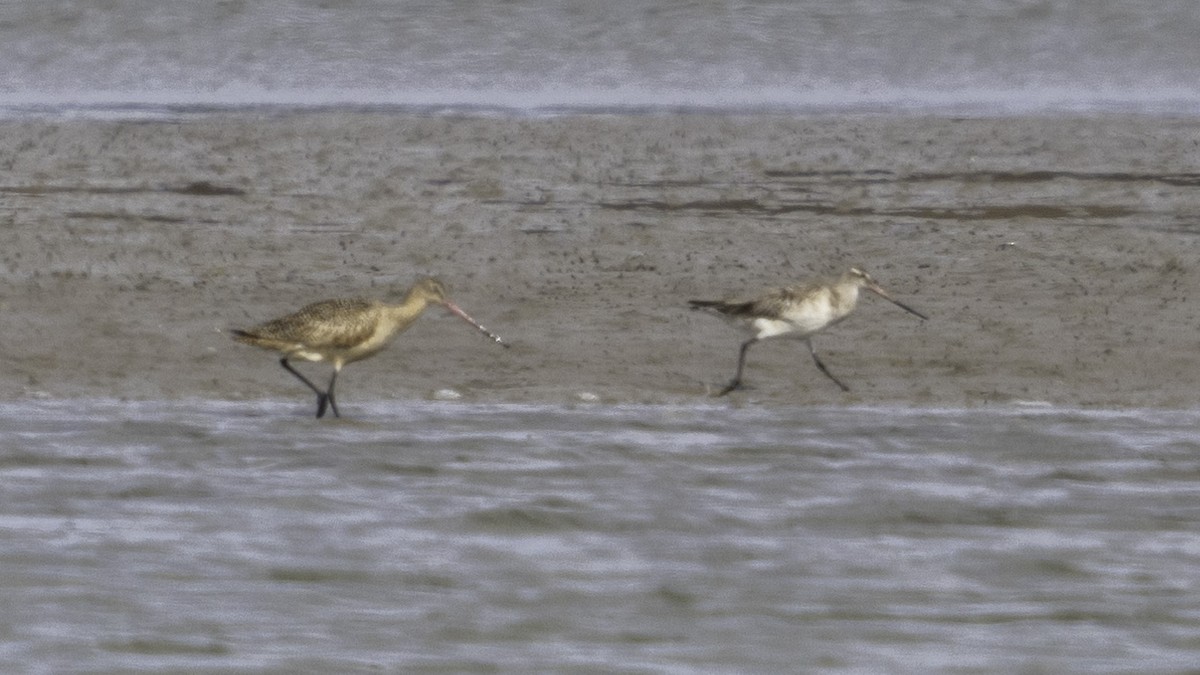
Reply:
x=1057, y=258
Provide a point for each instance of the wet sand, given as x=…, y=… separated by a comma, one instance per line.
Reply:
x=1056, y=257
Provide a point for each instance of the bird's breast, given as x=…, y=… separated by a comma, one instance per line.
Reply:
x=374, y=342
x=801, y=319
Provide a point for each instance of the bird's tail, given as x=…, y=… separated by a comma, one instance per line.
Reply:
x=246, y=337
x=721, y=306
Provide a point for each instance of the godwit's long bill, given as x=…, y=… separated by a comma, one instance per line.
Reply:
x=344, y=331
x=797, y=311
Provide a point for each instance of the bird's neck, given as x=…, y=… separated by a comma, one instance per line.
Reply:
x=843, y=297
x=408, y=310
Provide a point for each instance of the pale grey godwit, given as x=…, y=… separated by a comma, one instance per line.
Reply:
x=345, y=331
x=796, y=311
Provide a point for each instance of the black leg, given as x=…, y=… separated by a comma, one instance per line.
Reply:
x=736, y=383
x=329, y=394
x=825, y=370
x=322, y=397
x=287, y=366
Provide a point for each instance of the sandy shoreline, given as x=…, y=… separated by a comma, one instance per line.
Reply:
x=1057, y=258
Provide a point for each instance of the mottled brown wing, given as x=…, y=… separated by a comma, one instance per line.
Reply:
x=775, y=302
x=772, y=303
x=338, y=324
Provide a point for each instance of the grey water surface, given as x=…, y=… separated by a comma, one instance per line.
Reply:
x=203, y=536
x=981, y=56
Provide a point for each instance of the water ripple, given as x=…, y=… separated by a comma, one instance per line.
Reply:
x=452, y=535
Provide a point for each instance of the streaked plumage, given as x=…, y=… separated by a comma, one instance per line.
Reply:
x=346, y=330
x=797, y=311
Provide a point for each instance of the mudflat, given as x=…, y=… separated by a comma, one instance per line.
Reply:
x=1056, y=257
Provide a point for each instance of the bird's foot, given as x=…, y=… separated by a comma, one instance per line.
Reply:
x=736, y=384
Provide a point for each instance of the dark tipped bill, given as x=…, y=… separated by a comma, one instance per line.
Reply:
x=884, y=294
x=454, y=309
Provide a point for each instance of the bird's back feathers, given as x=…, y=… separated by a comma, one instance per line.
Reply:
x=336, y=324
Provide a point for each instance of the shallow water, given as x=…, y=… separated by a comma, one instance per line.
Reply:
x=975, y=55
x=460, y=537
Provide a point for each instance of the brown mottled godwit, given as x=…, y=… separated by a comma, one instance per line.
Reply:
x=344, y=331
x=796, y=311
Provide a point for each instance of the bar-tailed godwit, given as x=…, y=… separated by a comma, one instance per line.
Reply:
x=796, y=311
x=344, y=331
